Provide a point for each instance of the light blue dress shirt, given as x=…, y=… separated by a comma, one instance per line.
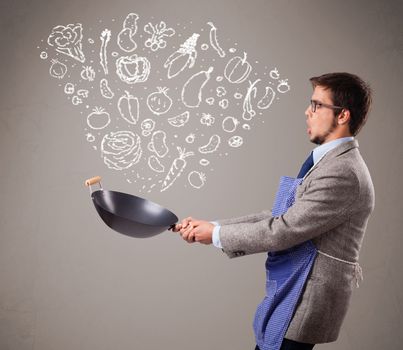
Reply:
x=318, y=153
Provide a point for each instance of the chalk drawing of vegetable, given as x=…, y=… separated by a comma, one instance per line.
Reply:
x=88, y=73
x=190, y=138
x=105, y=89
x=196, y=179
x=230, y=124
x=128, y=107
x=133, y=69
x=268, y=98
x=57, y=70
x=159, y=102
x=248, y=111
x=237, y=69
x=179, y=120
x=121, y=149
x=235, y=141
x=147, y=126
x=158, y=32
x=177, y=167
x=192, y=90
x=274, y=74
x=184, y=57
x=98, y=118
x=158, y=144
x=211, y=146
x=67, y=40
x=207, y=119
x=155, y=164
x=283, y=86
x=213, y=40
x=105, y=37
x=69, y=88
x=125, y=37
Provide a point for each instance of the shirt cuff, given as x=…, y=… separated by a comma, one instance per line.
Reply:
x=216, y=236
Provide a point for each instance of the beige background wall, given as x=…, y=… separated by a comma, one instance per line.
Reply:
x=68, y=282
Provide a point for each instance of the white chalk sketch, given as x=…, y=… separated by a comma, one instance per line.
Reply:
x=248, y=111
x=98, y=119
x=69, y=88
x=158, y=144
x=159, y=102
x=133, y=69
x=283, y=86
x=121, y=149
x=91, y=41
x=158, y=33
x=105, y=38
x=195, y=83
x=128, y=107
x=207, y=119
x=147, y=127
x=155, y=164
x=184, y=57
x=219, y=78
x=274, y=74
x=204, y=162
x=212, y=145
x=57, y=70
x=221, y=91
x=43, y=55
x=246, y=126
x=197, y=179
x=223, y=103
x=238, y=95
x=190, y=138
x=235, y=141
x=232, y=50
x=90, y=137
x=176, y=169
x=179, y=120
x=237, y=69
x=83, y=93
x=210, y=101
x=105, y=89
x=268, y=98
x=67, y=40
x=229, y=124
x=114, y=54
x=125, y=39
x=214, y=41
x=88, y=73
x=204, y=46
x=76, y=100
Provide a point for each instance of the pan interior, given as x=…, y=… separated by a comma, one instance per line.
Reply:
x=134, y=208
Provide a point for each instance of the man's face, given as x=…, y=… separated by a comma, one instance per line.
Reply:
x=322, y=123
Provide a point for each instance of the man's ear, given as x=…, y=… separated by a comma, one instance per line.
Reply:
x=344, y=117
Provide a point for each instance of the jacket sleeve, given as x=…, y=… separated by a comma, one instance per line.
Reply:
x=323, y=205
x=250, y=218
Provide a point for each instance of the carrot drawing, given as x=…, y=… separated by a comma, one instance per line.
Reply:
x=177, y=167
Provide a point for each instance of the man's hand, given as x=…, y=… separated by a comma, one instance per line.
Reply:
x=193, y=230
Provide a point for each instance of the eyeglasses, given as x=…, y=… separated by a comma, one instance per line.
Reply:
x=316, y=104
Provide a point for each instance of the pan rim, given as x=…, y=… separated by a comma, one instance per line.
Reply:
x=124, y=217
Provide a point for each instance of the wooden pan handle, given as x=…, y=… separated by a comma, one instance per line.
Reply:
x=94, y=180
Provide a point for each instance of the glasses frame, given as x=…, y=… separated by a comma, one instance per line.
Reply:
x=315, y=104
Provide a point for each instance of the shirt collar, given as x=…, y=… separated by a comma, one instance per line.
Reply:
x=321, y=150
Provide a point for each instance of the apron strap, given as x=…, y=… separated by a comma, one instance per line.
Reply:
x=357, y=268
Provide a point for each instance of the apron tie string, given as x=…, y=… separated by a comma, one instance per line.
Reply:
x=357, y=268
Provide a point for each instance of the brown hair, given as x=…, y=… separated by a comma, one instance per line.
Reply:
x=350, y=92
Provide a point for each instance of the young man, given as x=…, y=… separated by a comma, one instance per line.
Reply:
x=314, y=232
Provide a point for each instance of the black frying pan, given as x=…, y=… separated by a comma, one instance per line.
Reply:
x=131, y=215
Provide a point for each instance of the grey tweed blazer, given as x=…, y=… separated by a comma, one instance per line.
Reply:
x=332, y=207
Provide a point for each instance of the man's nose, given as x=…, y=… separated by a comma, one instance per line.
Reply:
x=308, y=111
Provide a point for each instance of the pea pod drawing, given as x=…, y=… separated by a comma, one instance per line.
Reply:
x=192, y=90
x=268, y=98
x=211, y=146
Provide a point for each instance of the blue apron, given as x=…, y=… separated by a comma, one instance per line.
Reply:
x=286, y=274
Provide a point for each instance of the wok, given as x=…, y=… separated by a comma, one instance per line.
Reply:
x=130, y=215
